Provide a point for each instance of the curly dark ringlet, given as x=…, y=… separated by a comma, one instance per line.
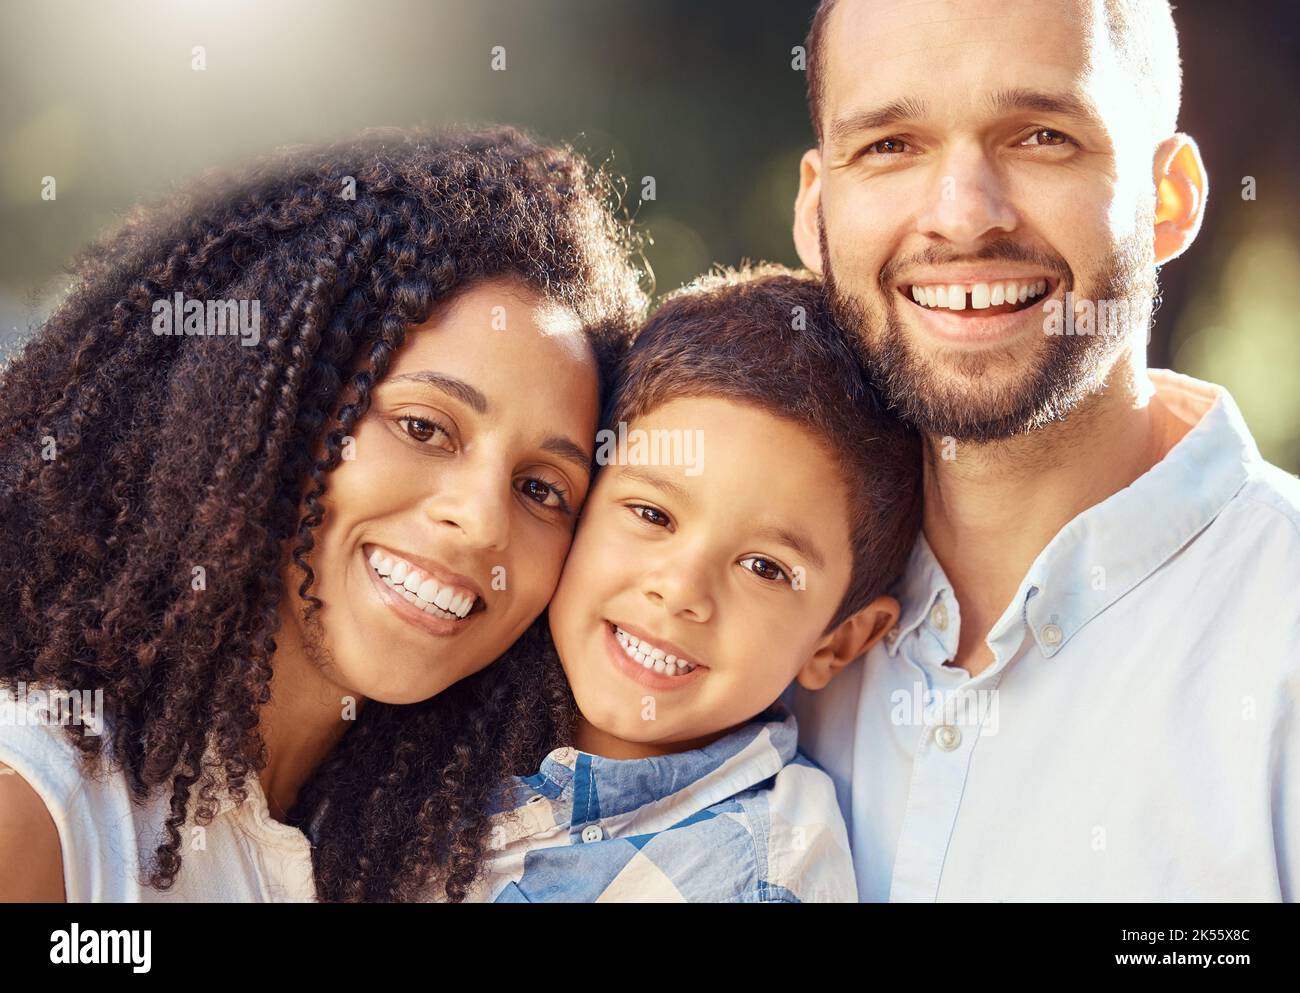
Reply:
x=179, y=450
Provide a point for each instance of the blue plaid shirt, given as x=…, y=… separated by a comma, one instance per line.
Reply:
x=746, y=819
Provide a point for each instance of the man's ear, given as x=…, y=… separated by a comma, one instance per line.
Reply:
x=848, y=641
x=807, y=227
x=1181, y=189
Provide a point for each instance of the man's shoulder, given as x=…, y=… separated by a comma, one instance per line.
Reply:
x=1273, y=494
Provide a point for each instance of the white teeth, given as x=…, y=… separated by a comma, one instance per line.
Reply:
x=953, y=296
x=651, y=657
x=420, y=589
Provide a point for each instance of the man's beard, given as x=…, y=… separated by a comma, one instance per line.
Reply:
x=1053, y=381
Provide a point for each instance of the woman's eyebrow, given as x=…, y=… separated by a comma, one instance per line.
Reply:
x=569, y=450
x=565, y=448
x=450, y=385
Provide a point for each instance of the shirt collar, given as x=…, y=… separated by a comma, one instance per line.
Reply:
x=646, y=795
x=1110, y=548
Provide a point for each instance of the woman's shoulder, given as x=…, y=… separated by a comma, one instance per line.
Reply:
x=29, y=843
x=49, y=790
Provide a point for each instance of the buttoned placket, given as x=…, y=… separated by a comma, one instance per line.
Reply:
x=953, y=720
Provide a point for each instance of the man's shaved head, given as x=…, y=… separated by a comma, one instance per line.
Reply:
x=1142, y=37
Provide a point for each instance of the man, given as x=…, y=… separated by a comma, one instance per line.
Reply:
x=1093, y=690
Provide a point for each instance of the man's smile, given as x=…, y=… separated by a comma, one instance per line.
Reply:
x=977, y=308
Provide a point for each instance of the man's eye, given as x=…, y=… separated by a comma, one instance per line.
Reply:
x=1046, y=136
x=650, y=515
x=547, y=494
x=422, y=429
x=765, y=569
x=887, y=146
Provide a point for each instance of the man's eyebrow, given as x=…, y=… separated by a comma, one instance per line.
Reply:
x=1018, y=98
x=1003, y=101
x=457, y=388
x=906, y=109
x=793, y=539
x=658, y=481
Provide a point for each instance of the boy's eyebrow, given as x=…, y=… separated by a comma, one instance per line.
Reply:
x=793, y=539
x=472, y=397
x=1003, y=101
x=658, y=481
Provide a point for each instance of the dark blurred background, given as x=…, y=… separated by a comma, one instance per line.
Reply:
x=701, y=96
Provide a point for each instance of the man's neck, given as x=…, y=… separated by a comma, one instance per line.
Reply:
x=993, y=508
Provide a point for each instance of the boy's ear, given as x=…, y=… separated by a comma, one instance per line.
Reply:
x=847, y=641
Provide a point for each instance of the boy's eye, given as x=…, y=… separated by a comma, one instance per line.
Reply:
x=651, y=516
x=765, y=569
x=422, y=429
x=550, y=495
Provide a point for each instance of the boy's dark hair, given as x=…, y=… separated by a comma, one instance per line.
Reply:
x=764, y=336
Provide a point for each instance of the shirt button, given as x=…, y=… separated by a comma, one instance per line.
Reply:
x=947, y=737
x=1051, y=634
x=939, y=617
x=592, y=832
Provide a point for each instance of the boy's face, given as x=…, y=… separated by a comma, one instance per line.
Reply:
x=737, y=568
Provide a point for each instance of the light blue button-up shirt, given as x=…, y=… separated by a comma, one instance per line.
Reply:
x=1137, y=736
x=745, y=819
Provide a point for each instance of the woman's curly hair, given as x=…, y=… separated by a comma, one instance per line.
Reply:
x=126, y=456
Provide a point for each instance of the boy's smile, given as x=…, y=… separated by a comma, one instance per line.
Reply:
x=653, y=664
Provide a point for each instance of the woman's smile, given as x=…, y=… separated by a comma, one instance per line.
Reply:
x=442, y=605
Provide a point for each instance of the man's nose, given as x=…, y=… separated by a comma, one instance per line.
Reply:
x=969, y=201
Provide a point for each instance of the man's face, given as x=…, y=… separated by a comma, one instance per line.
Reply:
x=974, y=151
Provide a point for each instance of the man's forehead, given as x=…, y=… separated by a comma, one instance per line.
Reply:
x=954, y=53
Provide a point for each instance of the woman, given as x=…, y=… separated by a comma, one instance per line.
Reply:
x=288, y=557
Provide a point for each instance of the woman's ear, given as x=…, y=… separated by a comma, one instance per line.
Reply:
x=1181, y=189
x=848, y=641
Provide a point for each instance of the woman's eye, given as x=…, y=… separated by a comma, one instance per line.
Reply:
x=887, y=146
x=547, y=494
x=765, y=569
x=651, y=516
x=1048, y=137
x=422, y=429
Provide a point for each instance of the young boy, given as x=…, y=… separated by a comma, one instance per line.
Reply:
x=744, y=529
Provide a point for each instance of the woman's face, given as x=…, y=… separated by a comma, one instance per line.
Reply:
x=448, y=521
